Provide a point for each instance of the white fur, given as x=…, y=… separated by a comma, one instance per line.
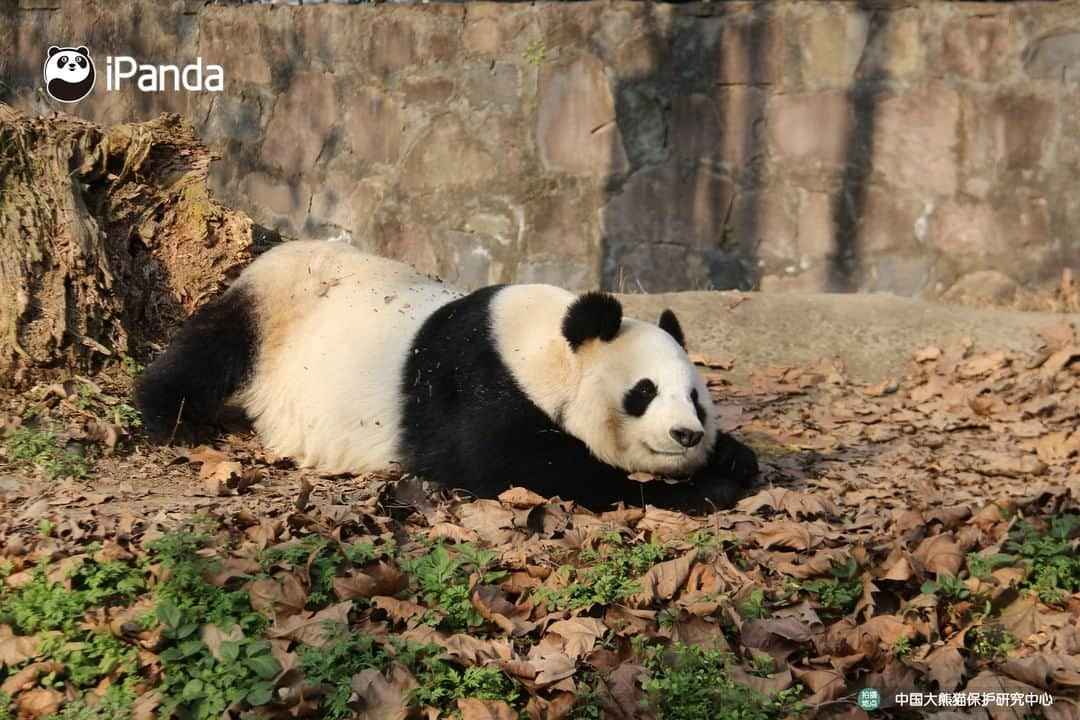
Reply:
x=336, y=325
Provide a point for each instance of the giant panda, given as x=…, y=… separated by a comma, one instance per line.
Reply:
x=69, y=73
x=348, y=362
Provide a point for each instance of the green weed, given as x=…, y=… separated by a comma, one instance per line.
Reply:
x=611, y=574
x=41, y=450
x=687, y=681
x=442, y=579
x=990, y=643
x=839, y=595
x=1053, y=565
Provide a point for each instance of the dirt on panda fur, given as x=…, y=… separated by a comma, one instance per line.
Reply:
x=916, y=535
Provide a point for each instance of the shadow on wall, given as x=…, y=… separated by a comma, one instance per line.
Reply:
x=694, y=205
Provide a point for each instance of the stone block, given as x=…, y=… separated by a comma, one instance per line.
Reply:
x=400, y=238
x=558, y=228
x=898, y=48
x=1008, y=130
x=983, y=288
x=978, y=47
x=276, y=203
x=575, y=275
x=890, y=219
x=227, y=38
x=343, y=201
x=446, y=155
x=813, y=280
x=908, y=275
x=764, y=224
x=815, y=226
x=427, y=91
x=653, y=268
x=915, y=137
x=829, y=44
x=392, y=43
x=1055, y=57
x=972, y=232
x=300, y=122
x=576, y=124
x=670, y=204
x=724, y=128
x=373, y=124
x=811, y=128
x=748, y=50
x=492, y=84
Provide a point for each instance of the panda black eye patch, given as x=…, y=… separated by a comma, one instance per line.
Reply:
x=637, y=399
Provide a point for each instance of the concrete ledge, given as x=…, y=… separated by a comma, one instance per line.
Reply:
x=875, y=335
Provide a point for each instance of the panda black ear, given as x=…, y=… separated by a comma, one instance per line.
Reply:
x=53, y=50
x=593, y=315
x=82, y=50
x=670, y=324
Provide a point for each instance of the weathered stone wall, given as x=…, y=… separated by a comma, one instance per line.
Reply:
x=788, y=145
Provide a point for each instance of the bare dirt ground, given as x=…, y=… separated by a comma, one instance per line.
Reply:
x=892, y=542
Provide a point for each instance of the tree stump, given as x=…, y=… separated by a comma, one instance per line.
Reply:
x=108, y=239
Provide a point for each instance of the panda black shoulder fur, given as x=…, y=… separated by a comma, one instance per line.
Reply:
x=348, y=362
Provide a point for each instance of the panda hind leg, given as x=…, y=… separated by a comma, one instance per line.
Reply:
x=207, y=360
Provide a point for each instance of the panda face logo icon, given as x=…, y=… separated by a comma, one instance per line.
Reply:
x=69, y=73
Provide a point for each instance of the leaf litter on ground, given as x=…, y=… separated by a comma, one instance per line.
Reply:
x=914, y=536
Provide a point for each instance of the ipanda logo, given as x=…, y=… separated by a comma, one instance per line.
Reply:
x=70, y=74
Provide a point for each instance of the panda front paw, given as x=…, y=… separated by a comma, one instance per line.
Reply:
x=731, y=469
x=733, y=459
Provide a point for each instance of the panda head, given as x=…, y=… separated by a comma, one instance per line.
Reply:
x=639, y=402
x=69, y=73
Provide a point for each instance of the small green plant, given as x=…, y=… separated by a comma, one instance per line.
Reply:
x=130, y=366
x=991, y=643
x=902, y=646
x=982, y=566
x=535, y=52
x=1053, y=565
x=839, y=595
x=45, y=527
x=41, y=450
x=687, y=681
x=755, y=607
x=442, y=578
x=334, y=665
x=951, y=588
x=762, y=666
x=610, y=575
x=441, y=685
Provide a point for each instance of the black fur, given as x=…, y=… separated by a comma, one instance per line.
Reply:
x=638, y=398
x=670, y=324
x=593, y=315
x=207, y=360
x=467, y=424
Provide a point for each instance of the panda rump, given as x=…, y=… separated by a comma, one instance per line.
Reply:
x=350, y=363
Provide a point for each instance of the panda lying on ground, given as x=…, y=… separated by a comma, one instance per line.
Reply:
x=348, y=363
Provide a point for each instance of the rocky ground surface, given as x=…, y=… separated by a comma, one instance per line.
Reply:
x=913, y=531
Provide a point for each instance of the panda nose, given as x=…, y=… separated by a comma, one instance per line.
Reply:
x=686, y=437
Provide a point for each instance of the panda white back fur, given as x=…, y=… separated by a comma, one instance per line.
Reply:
x=348, y=362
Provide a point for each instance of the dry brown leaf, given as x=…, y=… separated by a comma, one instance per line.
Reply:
x=663, y=580
x=495, y=608
x=473, y=709
x=945, y=666
x=39, y=702
x=212, y=636
x=311, y=630
x=778, y=637
x=26, y=678
x=521, y=497
x=783, y=534
x=16, y=649
x=381, y=697
x=579, y=635
x=940, y=554
x=795, y=504
x=400, y=610
x=278, y=598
